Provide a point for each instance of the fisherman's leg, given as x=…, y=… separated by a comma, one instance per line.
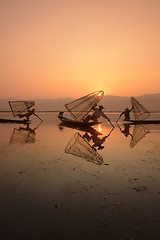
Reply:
x=95, y=119
x=86, y=120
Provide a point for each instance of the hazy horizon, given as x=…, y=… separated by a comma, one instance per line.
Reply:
x=69, y=97
x=110, y=102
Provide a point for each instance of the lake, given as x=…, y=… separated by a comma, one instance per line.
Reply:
x=62, y=183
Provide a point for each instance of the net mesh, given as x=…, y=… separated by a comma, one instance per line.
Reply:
x=139, y=132
x=79, y=147
x=20, y=136
x=140, y=112
x=18, y=107
x=82, y=106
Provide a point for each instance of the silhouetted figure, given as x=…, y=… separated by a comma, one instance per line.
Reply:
x=96, y=139
x=28, y=114
x=97, y=113
x=60, y=114
x=126, y=130
x=126, y=114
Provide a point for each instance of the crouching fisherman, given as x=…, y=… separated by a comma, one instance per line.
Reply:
x=28, y=114
x=97, y=114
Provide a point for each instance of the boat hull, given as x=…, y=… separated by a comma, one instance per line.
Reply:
x=13, y=121
x=142, y=122
x=86, y=127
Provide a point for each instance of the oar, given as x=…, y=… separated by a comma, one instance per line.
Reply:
x=110, y=123
x=118, y=118
x=38, y=117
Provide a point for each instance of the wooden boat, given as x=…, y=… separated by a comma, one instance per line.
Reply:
x=86, y=127
x=141, y=114
x=14, y=121
x=142, y=122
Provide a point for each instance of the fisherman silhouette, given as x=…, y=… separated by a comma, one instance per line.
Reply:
x=126, y=114
x=97, y=113
x=126, y=130
x=97, y=140
x=28, y=114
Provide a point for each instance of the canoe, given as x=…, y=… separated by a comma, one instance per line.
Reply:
x=86, y=127
x=142, y=122
x=14, y=121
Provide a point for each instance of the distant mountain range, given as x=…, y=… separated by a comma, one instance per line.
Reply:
x=110, y=102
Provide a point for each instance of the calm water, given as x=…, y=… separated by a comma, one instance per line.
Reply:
x=60, y=183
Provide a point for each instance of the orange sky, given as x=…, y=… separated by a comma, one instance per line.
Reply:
x=68, y=48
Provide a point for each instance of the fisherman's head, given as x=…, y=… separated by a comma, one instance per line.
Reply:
x=100, y=147
x=101, y=107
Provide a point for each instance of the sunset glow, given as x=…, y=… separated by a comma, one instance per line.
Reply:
x=56, y=49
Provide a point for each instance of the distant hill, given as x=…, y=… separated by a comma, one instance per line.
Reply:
x=116, y=103
x=110, y=102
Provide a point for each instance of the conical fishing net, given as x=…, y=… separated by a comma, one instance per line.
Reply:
x=19, y=107
x=139, y=132
x=80, y=108
x=22, y=136
x=140, y=112
x=79, y=147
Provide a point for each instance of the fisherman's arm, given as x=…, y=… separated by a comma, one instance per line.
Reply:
x=94, y=106
x=107, y=119
x=120, y=116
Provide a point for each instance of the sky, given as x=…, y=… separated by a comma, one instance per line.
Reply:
x=69, y=48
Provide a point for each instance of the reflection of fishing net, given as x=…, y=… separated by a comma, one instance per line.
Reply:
x=82, y=106
x=19, y=107
x=140, y=112
x=20, y=136
x=139, y=132
x=79, y=147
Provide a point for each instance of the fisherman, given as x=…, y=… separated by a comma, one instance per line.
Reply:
x=126, y=114
x=97, y=113
x=28, y=114
x=126, y=130
x=61, y=115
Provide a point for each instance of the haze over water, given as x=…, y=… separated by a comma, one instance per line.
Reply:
x=48, y=191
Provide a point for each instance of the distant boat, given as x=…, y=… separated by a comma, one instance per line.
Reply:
x=20, y=109
x=141, y=114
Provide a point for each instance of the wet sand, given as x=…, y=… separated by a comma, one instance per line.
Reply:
x=49, y=194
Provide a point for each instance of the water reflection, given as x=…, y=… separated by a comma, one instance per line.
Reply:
x=42, y=180
x=139, y=132
x=24, y=135
x=80, y=147
x=97, y=141
x=86, y=145
x=81, y=127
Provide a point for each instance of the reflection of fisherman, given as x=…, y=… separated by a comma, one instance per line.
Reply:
x=126, y=114
x=97, y=140
x=97, y=113
x=23, y=135
x=126, y=130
